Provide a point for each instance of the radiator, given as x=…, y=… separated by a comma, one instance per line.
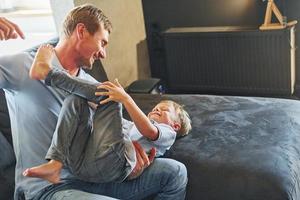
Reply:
x=230, y=60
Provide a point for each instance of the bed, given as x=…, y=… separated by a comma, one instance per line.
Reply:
x=240, y=148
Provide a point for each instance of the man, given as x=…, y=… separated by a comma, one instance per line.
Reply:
x=34, y=109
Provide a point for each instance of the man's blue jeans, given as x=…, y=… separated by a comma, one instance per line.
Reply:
x=165, y=179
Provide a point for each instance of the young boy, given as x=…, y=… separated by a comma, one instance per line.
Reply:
x=101, y=149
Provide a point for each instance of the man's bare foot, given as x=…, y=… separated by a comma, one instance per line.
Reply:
x=41, y=63
x=49, y=171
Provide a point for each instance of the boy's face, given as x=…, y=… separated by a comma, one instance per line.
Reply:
x=164, y=113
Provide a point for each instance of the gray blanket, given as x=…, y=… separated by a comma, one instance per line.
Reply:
x=240, y=148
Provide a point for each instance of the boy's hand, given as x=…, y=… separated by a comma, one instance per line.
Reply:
x=115, y=92
x=142, y=160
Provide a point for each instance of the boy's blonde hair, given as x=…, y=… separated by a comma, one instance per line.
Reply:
x=89, y=15
x=182, y=117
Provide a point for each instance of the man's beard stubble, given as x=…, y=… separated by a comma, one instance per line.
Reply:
x=87, y=63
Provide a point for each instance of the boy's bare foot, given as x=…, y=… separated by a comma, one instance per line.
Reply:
x=41, y=63
x=49, y=171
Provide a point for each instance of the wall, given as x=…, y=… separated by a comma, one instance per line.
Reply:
x=161, y=15
x=59, y=10
x=127, y=50
x=128, y=54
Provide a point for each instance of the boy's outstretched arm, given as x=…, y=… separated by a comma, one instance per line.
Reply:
x=116, y=92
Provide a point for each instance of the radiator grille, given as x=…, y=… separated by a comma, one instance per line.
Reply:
x=235, y=62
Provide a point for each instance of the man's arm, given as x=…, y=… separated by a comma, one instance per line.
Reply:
x=115, y=92
x=11, y=67
x=142, y=160
x=13, y=71
x=9, y=30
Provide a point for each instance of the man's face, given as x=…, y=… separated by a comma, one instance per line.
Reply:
x=163, y=113
x=93, y=47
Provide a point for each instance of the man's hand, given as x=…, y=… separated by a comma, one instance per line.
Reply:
x=142, y=160
x=115, y=92
x=9, y=30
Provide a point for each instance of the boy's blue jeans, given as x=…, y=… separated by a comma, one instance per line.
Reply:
x=93, y=148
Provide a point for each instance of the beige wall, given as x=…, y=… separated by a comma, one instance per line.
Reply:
x=127, y=51
x=59, y=10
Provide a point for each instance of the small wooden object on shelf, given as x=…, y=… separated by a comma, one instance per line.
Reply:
x=282, y=23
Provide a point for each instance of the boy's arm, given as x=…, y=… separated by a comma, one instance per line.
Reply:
x=115, y=92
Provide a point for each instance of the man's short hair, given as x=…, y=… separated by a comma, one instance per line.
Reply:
x=89, y=15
